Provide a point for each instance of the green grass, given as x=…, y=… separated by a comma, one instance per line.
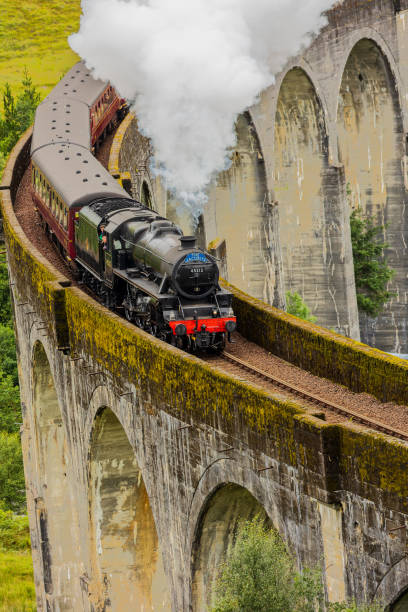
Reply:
x=16, y=582
x=33, y=34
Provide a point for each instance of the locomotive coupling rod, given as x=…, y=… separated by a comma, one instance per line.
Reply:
x=397, y=528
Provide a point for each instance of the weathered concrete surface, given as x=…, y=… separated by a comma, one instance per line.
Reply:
x=133, y=449
x=330, y=135
x=246, y=249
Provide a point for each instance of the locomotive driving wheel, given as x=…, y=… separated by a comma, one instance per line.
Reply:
x=128, y=314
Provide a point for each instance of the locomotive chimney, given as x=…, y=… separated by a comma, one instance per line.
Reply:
x=188, y=242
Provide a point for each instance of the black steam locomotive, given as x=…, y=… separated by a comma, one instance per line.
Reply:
x=128, y=254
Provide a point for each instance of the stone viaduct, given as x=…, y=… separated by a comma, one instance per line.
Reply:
x=329, y=136
x=140, y=460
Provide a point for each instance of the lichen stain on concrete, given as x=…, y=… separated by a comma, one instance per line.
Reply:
x=217, y=531
x=126, y=551
x=371, y=148
x=237, y=213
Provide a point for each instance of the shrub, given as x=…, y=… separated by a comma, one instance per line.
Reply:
x=260, y=575
x=12, y=484
x=296, y=306
x=5, y=307
x=10, y=409
x=371, y=271
x=14, y=530
x=8, y=353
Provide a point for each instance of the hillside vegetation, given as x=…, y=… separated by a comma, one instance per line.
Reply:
x=34, y=54
x=33, y=34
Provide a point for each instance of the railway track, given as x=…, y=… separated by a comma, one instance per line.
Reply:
x=315, y=399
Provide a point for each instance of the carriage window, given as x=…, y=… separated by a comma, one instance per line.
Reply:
x=65, y=218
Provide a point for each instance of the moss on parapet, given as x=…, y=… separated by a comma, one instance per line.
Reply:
x=322, y=352
x=37, y=282
x=116, y=147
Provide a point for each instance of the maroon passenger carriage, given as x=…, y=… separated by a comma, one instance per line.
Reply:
x=128, y=254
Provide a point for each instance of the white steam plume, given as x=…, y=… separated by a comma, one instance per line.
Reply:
x=190, y=67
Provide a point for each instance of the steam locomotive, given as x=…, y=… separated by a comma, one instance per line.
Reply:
x=128, y=254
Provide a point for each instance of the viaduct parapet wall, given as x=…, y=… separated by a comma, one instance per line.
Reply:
x=141, y=459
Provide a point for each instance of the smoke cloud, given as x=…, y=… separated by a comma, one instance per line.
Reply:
x=189, y=67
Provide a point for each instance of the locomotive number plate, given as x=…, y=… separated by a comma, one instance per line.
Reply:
x=196, y=270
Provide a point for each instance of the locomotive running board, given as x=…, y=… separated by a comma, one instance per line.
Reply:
x=142, y=284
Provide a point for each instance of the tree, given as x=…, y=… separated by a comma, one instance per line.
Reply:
x=14, y=530
x=10, y=410
x=296, y=306
x=18, y=114
x=5, y=306
x=371, y=271
x=260, y=575
x=8, y=360
x=12, y=484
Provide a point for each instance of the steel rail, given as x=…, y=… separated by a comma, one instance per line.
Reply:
x=315, y=399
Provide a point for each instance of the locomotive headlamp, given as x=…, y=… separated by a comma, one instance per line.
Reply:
x=230, y=326
x=215, y=312
x=181, y=329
